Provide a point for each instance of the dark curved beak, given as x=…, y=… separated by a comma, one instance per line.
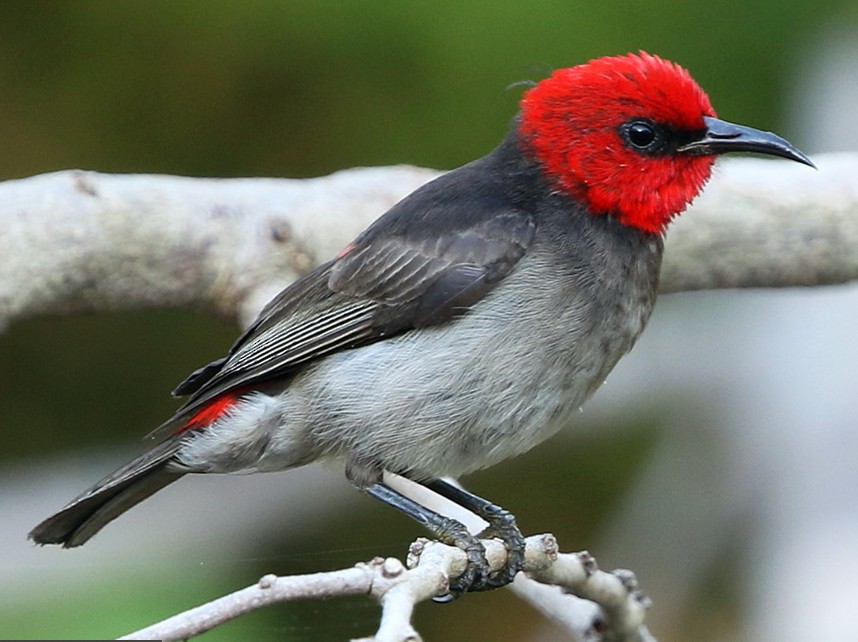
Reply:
x=720, y=137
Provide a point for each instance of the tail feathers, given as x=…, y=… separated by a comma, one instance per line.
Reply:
x=87, y=514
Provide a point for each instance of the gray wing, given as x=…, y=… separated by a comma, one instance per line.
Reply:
x=395, y=277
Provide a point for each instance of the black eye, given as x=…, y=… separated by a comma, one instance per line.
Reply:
x=640, y=134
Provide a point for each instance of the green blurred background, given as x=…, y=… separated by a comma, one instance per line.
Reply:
x=296, y=89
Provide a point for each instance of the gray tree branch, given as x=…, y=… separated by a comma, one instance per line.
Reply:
x=431, y=565
x=78, y=240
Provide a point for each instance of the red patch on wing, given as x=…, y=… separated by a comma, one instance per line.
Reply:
x=210, y=412
x=348, y=248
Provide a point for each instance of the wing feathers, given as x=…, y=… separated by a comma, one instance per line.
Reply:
x=428, y=260
x=288, y=342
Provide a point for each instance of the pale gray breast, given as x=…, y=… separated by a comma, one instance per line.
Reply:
x=492, y=384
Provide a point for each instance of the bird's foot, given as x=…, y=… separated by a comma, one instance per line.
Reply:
x=502, y=526
x=475, y=577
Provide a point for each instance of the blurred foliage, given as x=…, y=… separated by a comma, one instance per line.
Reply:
x=75, y=381
x=260, y=87
x=268, y=87
x=120, y=606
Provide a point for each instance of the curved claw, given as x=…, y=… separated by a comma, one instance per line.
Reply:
x=448, y=597
x=476, y=573
x=502, y=526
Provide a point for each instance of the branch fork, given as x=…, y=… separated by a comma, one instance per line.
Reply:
x=427, y=572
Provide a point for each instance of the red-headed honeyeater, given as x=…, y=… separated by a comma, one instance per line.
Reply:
x=469, y=322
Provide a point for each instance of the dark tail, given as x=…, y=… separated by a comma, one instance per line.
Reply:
x=87, y=514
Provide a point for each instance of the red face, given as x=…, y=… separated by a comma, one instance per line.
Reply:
x=607, y=132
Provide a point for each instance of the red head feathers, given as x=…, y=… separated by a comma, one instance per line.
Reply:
x=581, y=125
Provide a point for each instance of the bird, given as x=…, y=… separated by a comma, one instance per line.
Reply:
x=468, y=323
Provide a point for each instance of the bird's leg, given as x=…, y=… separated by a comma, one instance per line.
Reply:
x=446, y=530
x=501, y=525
